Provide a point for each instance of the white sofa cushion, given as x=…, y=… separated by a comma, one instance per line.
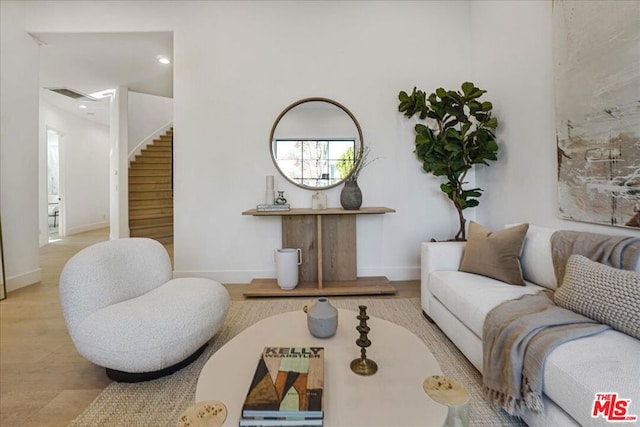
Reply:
x=553, y=415
x=536, y=261
x=470, y=296
x=608, y=362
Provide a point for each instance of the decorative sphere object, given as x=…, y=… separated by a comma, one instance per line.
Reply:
x=322, y=318
x=450, y=392
x=209, y=413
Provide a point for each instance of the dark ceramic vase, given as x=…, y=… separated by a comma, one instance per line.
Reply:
x=351, y=195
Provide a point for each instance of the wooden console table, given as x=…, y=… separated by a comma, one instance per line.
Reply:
x=327, y=238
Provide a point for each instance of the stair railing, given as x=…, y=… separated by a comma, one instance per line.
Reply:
x=162, y=130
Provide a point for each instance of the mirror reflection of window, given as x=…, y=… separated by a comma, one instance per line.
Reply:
x=315, y=162
x=313, y=142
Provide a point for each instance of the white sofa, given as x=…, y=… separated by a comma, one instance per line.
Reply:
x=458, y=303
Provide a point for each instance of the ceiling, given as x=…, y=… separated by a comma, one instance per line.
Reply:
x=94, y=62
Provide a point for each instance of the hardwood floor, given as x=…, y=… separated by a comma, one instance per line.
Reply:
x=43, y=380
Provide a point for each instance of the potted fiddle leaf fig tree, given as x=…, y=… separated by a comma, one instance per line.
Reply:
x=458, y=134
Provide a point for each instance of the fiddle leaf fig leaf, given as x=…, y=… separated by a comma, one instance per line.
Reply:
x=452, y=147
x=467, y=88
x=446, y=189
x=491, y=123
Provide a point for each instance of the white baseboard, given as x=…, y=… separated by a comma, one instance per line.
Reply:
x=392, y=273
x=230, y=277
x=24, y=279
x=227, y=277
x=88, y=227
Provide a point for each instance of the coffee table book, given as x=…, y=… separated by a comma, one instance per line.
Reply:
x=278, y=423
x=287, y=388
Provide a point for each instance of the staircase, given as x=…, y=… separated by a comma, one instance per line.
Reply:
x=150, y=191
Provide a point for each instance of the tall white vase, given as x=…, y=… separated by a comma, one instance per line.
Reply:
x=287, y=262
x=269, y=192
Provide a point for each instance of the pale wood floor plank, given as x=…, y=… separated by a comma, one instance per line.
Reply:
x=43, y=379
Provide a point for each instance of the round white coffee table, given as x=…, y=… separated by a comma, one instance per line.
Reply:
x=392, y=397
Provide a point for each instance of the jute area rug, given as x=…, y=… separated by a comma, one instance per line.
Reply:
x=162, y=401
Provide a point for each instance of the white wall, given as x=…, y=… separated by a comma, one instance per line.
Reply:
x=230, y=85
x=85, y=147
x=238, y=64
x=18, y=147
x=513, y=58
x=119, y=165
x=360, y=54
x=147, y=114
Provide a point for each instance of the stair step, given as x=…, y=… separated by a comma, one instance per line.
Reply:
x=151, y=203
x=156, y=149
x=149, y=172
x=153, y=221
x=153, y=159
x=150, y=212
x=152, y=230
x=151, y=195
x=162, y=142
x=149, y=186
x=164, y=239
x=157, y=166
x=160, y=154
x=159, y=179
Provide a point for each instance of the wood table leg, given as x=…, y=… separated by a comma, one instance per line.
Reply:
x=299, y=232
x=319, y=241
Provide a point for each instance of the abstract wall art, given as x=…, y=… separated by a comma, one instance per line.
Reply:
x=597, y=90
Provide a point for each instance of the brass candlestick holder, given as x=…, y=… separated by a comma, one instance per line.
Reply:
x=363, y=366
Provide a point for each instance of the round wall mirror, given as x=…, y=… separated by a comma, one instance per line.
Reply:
x=315, y=143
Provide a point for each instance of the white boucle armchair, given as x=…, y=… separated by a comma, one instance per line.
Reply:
x=125, y=313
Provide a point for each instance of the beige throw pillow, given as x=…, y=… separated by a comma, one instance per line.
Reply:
x=495, y=254
x=605, y=294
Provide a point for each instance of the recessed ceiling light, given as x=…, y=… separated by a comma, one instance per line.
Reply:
x=164, y=60
x=83, y=106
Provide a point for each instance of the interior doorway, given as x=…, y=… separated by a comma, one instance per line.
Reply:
x=55, y=190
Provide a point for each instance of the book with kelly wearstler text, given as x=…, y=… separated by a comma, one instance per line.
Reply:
x=288, y=384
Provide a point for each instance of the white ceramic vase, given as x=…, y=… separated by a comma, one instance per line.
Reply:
x=287, y=262
x=269, y=193
x=322, y=318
